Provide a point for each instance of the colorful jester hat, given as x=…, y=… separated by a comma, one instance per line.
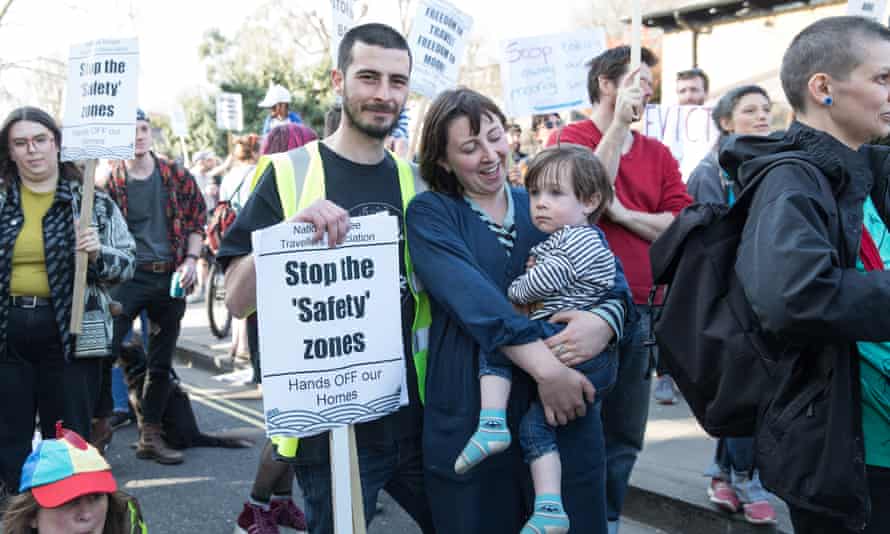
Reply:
x=63, y=469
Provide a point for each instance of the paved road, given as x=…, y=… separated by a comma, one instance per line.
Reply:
x=206, y=493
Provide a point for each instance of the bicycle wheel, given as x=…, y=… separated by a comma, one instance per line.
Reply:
x=218, y=315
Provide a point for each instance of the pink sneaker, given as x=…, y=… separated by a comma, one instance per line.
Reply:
x=760, y=513
x=289, y=515
x=721, y=493
x=254, y=520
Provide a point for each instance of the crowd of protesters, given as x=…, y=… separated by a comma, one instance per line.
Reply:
x=562, y=218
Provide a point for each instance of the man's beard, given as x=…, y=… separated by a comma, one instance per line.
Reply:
x=371, y=130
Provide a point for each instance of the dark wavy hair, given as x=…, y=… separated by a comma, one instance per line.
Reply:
x=613, y=64
x=447, y=107
x=8, y=169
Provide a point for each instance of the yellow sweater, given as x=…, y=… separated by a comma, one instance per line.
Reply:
x=28, y=258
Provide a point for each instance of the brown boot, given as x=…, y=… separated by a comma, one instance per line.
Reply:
x=101, y=433
x=152, y=447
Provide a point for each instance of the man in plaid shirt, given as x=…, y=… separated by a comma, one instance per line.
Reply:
x=166, y=214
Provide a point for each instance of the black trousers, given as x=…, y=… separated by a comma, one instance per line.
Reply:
x=253, y=343
x=36, y=379
x=151, y=292
x=806, y=522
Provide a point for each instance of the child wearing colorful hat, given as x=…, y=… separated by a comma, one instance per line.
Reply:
x=67, y=488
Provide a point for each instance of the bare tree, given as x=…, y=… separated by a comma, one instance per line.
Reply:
x=608, y=14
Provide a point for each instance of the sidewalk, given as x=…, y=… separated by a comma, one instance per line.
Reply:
x=667, y=487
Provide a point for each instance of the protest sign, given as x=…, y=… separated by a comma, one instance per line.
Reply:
x=873, y=9
x=548, y=73
x=100, y=101
x=687, y=130
x=330, y=328
x=229, y=112
x=438, y=35
x=178, y=123
x=99, y=122
x=342, y=16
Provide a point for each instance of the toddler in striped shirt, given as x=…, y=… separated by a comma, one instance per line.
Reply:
x=573, y=269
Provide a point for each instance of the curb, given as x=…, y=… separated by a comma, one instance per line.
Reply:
x=671, y=514
x=196, y=355
x=679, y=516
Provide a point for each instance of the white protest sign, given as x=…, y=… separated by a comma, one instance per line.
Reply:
x=873, y=9
x=688, y=131
x=342, y=17
x=438, y=35
x=178, y=123
x=100, y=101
x=330, y=327
x=548, y=73
x=229, y=112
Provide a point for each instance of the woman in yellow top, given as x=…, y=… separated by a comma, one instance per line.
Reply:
x=43, y=367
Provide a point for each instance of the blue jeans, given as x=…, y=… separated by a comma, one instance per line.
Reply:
x=396, y=467
x=626, y=410
x=536, y=436
x=734, y=463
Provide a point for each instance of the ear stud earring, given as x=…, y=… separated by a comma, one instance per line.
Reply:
x=827, y=101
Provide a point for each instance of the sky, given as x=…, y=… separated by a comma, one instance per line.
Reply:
x=170, y=31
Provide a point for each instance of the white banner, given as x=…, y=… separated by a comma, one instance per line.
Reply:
x=100, y=101
x=330, y=327
x=688, y=131
x=438, y=36
x=548, y=73
x=342, y=17
x=178, y=123
x=873, y=9
x=229, y=112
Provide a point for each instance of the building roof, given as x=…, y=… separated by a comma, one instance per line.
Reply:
x=678, y=15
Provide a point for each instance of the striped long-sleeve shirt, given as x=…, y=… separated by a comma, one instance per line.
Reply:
x=574, y=269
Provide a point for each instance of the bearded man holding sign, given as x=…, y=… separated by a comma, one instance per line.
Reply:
x=351, y=174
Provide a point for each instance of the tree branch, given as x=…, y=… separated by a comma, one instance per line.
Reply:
x=5, y=9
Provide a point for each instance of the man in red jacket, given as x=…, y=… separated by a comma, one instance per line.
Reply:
x=649, y=192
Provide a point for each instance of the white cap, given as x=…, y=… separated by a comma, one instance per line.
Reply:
x=275, y=95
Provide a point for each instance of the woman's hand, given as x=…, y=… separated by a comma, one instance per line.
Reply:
x=585, y=336
x=564, y=394
x=89, y=242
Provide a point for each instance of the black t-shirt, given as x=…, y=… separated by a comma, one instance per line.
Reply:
x=147, y=218
x=361, y=190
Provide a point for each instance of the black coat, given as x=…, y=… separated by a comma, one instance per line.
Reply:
x=797, y=264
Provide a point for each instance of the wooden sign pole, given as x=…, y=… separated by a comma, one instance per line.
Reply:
x=636, y=24
x=185, y=154
x=82, y=259
x=348, y=504
x=422, y=105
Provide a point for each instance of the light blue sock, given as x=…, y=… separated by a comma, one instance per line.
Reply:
x=549, y=517
x=491, y=437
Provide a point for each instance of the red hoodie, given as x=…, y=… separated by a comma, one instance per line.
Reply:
x=649, y=181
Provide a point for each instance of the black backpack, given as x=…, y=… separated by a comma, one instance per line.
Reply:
x=707, y=334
